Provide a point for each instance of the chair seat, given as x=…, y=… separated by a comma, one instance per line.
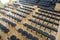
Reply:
x=24, y=33
x=29, y=36
x=34, y=38
x=45, y=34
x=52, y=37
x=20, y=30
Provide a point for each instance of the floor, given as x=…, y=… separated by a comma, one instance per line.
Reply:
x=13, y=30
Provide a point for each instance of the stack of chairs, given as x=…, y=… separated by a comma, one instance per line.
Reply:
x=29, y=2
x=45, y=4
x=28, y=23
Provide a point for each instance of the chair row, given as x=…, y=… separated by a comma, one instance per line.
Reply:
x=9, y=22
x=26, y=9
x=9, y=7
x=48, y=16
x=17, y=19
x=5, y=9
x=16, y=5
x=4, y=29
x=22, y=11
x=29, y=36
x=50, y=13
x=54, y=23
x=43, y=25
x=51, y=37
x=19, y=15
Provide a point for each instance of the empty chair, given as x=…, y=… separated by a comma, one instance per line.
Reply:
x=24, y=33
x=13, y=37
x=29, y=36
x=46, y=34
x=20, y=30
